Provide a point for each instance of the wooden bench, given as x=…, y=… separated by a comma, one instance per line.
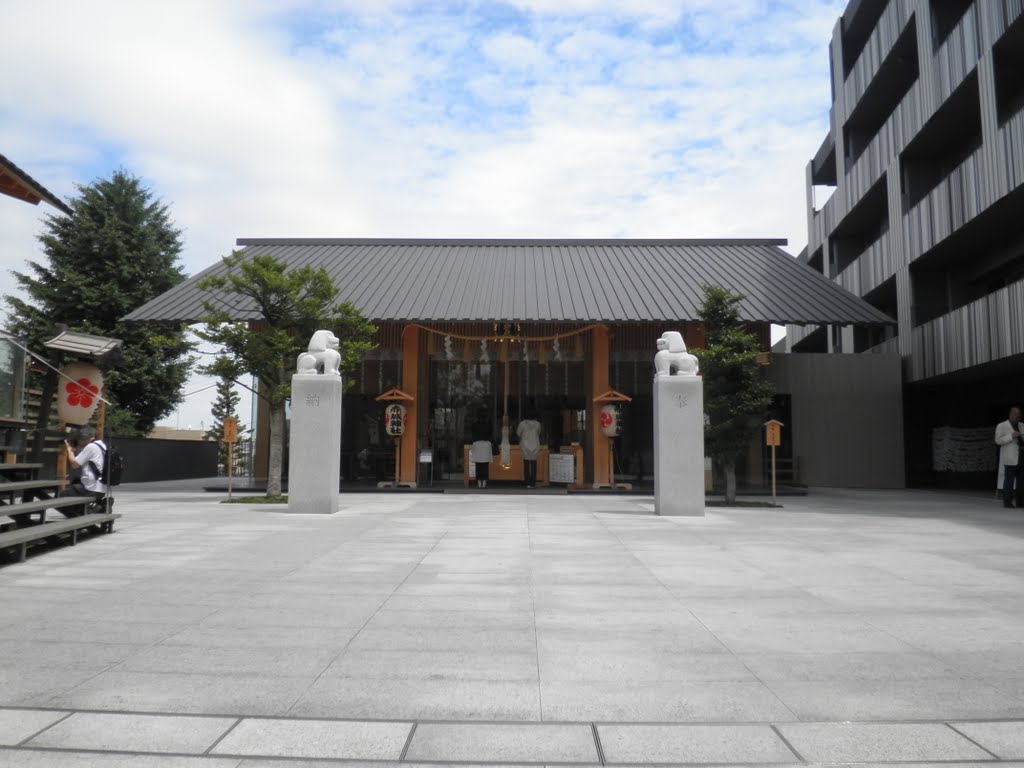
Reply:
x=30, y=489
x=22, y=471
x=22, y=537
x=23, y=512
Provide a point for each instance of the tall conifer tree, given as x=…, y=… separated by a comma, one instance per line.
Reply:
x=224, y=407
x=118, y=250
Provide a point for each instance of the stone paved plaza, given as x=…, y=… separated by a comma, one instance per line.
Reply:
x=846, y=627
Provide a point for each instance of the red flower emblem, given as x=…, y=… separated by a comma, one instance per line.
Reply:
x=606, y=419
x=81, y=392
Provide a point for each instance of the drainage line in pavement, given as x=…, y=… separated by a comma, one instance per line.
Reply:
x=408, y=742
x=222, y=736
x=785, y=741
x=597, y=743
x=958, y=732
x=26, y=740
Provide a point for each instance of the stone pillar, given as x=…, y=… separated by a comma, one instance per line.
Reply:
x=314, y=468
x=679, y=445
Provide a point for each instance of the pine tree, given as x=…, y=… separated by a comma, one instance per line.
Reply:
x=224, y=407
x=118, y=250
x=292, y=305
x=736, y=394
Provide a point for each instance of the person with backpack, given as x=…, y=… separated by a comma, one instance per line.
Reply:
x=91, y=460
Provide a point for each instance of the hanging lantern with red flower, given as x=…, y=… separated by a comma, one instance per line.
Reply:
x=79, y=394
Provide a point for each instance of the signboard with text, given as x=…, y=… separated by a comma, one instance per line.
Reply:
x=561, y=468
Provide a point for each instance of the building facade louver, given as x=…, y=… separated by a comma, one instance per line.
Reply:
x=924, y=162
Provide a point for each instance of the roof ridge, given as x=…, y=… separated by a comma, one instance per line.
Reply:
x=553, y=241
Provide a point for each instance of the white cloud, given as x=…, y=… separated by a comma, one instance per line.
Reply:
x=341, y=118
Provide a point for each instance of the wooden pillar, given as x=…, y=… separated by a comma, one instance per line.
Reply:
x=597, y=443
x=261, y=456
x=410, y=384
x=62, y=455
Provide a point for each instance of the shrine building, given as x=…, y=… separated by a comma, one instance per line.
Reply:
x=474, y=334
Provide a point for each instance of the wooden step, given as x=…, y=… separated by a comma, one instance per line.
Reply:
x=21, y=467
x=28, y=485
x=23, y=536
x=41, y=505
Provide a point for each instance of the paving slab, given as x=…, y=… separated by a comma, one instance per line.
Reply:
x=841, y=605
x=503, y=743
x=420, y=698
x=316, y=739
x=662, y=702
x=134, y=733
x=454, y=665
x=23, y=758
x=17, y=725
x=260, y=694
x=693, y=744
x=951, y=697
x=1005, y=740
x=877, y=742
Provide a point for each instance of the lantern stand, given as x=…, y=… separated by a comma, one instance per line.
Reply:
x=609, y=397
x=82, y=345
x=395, y=395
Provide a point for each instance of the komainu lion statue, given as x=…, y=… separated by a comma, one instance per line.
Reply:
x=322, y=357
x=672, y=358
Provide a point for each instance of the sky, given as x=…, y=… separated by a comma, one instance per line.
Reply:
x=390, y=118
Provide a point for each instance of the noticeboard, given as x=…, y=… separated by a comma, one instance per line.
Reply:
x=230, y=430
x=561, y=468
x=773, y=433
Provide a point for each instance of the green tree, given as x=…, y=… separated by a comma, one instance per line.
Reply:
x=118, y=250
x=736, y=394
x=286, y=307
x=224, y=407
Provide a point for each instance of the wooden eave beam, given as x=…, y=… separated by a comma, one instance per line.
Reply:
x=13, y=186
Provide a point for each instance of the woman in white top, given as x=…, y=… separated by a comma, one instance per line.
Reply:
x=529, y=447
x=480, y=453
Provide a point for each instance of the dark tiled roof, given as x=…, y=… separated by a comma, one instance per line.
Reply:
x=16, y=183
x=548, y=280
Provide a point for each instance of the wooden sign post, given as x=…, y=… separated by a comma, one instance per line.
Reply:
x=394, y=426
x=230, y=437
x=773, y=439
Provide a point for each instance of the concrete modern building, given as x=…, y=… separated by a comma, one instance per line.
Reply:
x=479, y=332
x=924, y=160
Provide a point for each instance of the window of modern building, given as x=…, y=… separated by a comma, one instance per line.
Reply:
x=896, y=75
x=867, y=221
x=983, y=256
x=859, y=21
x=824, y=173
x=946, y=14
x=1008, y=58
x=951, y=136
x=883, y=298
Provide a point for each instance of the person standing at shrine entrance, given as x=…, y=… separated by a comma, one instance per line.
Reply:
x=529, y=447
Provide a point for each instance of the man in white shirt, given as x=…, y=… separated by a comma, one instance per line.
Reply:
x=1009, y=438
x=90, y=459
